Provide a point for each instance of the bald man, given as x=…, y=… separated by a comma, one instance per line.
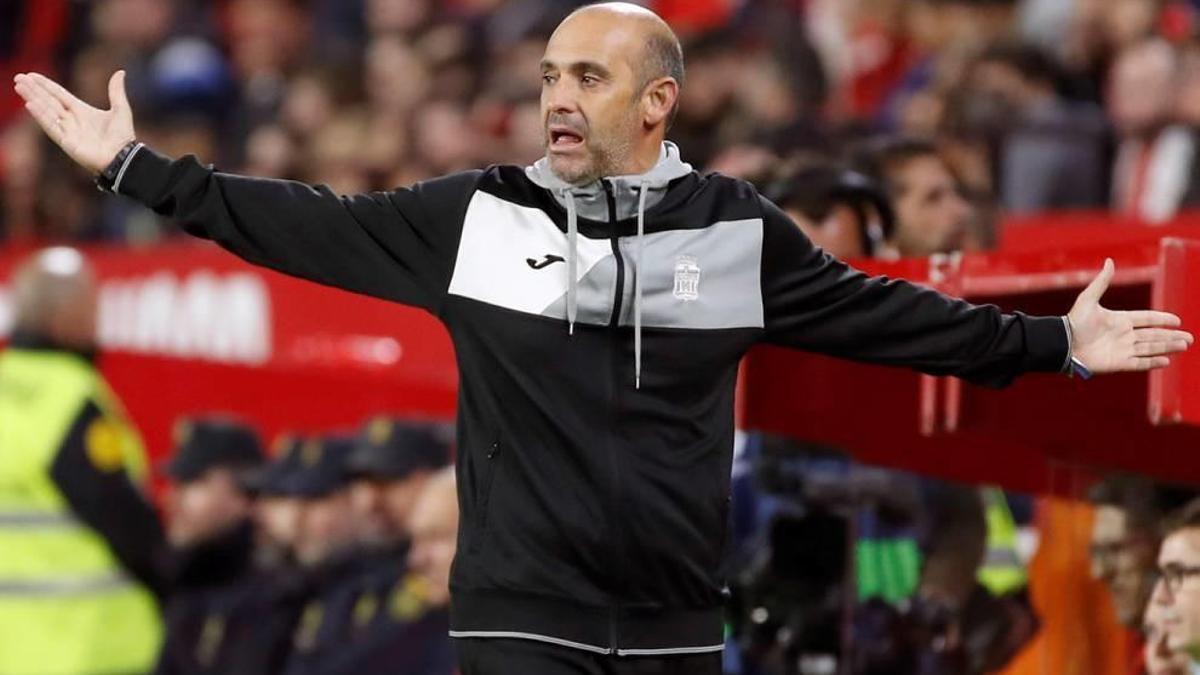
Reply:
x=599, y=302
x=81, y=545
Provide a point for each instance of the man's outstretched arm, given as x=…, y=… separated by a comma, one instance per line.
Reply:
x=395, y=245
x=815, y=302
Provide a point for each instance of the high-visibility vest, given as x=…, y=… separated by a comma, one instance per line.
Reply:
x=66, y=604
x=1002, y=571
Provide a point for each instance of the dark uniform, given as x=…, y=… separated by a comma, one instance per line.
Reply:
x=227, y=615
x=367, y=616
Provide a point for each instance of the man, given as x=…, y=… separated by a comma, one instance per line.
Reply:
x=212, y=617
x=1156, y=172
x=931, y=213
x=276, y=513
x=1177, y=593
x=844, y=212
x=326, y=550
x=1125, y=542
x=388, y=470
x=81, y=549
x=599, y=302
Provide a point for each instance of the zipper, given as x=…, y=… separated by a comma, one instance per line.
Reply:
x=614, y=404
x=485, y=496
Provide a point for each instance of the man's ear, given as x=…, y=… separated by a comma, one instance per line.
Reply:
x=658, y=100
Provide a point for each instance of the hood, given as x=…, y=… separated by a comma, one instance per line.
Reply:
x=590, y=202
x=632, y=195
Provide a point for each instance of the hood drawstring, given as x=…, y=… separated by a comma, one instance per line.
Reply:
x=643, y=188
x=572, y=262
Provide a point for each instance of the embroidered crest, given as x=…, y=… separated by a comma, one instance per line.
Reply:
x=687, y=278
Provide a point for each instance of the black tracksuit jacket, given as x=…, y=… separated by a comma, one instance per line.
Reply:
x=595, y=413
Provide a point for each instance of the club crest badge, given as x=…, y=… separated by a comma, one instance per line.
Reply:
x=687, y=278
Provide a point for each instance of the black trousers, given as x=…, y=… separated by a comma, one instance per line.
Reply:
x=499, y=656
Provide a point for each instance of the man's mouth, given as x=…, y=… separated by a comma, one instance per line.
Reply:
x=564, y=138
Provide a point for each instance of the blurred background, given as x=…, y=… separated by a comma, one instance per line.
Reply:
x=882, y=522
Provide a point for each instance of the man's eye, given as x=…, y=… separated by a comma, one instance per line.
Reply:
x=589, y=80
x=548, y=79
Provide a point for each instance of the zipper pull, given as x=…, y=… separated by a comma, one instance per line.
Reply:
x=493, y=450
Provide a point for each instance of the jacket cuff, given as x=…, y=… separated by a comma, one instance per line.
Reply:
x=144, y=175
x=1047, y=344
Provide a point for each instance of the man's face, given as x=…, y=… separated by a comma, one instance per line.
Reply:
x=931, y=216
x=590, y=97
x=434, y=531
x=278, y=520
x=1160, y=658
x=1124, y=560
x=383, y=507
x=327, y=525
x=203, y=508
x=1179, y=608
x=1142, y=89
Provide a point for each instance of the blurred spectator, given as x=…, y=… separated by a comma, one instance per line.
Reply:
x=1177, y=592
x=1156, y=171
x=1124, y=542
x=843, y=212
x=82, y=546
x=931, y=214
x=1050, y=153
x=393, y=461
x=212, y=618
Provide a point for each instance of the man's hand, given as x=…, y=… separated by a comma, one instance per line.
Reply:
x=90, y=136
x=1109, y=342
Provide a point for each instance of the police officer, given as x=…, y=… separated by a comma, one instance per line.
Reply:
x=389, y=468
x=210, y=614
x=81, y=549
x=326, y=551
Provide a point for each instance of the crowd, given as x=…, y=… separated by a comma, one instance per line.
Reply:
x=1029, y=104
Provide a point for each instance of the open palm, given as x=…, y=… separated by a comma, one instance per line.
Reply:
x=90, y=136
x=1108, y=341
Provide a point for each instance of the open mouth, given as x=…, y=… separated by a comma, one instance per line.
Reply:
x=562, y=138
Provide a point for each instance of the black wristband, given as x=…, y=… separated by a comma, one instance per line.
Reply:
x=109, y=179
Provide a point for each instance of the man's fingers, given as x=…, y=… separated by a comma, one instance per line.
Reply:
x=46, y=119
x=64, y=97
x=116, y=91
x=1161, y=335
x=1149, y=318
x=1160, y=348
x=1099, y=285
x=29, y=90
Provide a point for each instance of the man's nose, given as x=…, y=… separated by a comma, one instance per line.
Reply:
x=1161, y=595
x=560, y=98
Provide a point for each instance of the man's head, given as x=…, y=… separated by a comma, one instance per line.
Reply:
x=844, y=212
x=55, y=298
x=206, y=496
x=1142, y=87
x=1124, y=542
x=1177, y=593
x=611, y=76
x=433, y=527
x=931, y=214
x=326, y=525
x=389, y=468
